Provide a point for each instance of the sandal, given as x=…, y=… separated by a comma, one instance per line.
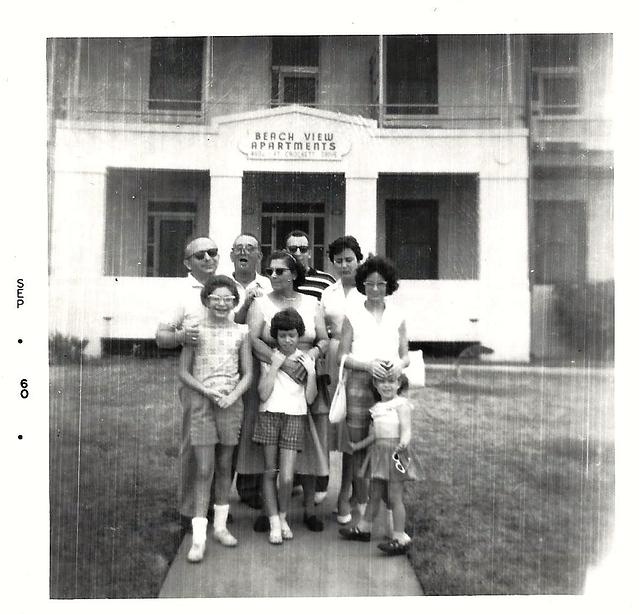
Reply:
x=355, y=534
x=394, y=548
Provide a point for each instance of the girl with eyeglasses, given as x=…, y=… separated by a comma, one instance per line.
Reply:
x=374, y=343
x=216, y=373
x=286, y=274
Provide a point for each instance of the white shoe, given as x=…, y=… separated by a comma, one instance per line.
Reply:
x=319, y=497
x=287, y=533
x=225, y=538
x=196, y=553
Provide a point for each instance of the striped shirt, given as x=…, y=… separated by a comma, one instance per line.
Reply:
x=315, y=283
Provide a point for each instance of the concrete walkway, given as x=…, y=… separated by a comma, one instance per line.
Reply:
x=311, y=565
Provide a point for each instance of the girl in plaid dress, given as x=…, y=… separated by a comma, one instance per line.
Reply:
x=216, y=373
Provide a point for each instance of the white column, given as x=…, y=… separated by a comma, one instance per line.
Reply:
x=360, y=211
x=504, y=260
x=77, y=255
x=225, y=212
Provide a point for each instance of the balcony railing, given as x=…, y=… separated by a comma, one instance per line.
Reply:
x=144, y=110
x=587, y=129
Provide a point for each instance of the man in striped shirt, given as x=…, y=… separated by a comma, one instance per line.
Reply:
x=315, y=281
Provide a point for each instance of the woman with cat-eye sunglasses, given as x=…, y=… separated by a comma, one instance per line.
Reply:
x=285, y=274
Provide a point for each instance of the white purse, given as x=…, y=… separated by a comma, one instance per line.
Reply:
x=338, y=409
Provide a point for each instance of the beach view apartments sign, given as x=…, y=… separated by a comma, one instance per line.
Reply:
x=294, y=145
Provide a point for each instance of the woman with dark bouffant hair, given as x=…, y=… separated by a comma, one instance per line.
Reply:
x=374, y=342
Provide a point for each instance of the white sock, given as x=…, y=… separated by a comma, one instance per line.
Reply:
x=364, y=525
x=361, y=508
x=220, y=513
x=274, y=523
x=199, y=525
x=282, y=516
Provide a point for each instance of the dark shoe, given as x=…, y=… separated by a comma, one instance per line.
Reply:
x=393, y=547
x=313, y=523
x=261, y=525
x=354, y=534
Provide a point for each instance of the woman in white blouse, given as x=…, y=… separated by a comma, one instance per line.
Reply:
x=374, y=341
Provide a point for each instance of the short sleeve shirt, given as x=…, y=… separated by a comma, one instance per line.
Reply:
x=334, y=305
x=260, y=281
x=386, y=422
x=315, y=282
x=288, y=396
x=188, y=308
x=216, y=362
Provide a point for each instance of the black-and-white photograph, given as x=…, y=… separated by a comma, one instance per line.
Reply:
x=330, y=314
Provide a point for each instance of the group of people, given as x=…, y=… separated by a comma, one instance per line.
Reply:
x=259, y=367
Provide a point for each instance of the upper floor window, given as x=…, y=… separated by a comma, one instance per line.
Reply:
x=412, y=75
x=175, y=77
x=555, y=74
x=294, y=69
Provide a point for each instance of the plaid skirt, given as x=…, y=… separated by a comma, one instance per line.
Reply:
x=360, y=398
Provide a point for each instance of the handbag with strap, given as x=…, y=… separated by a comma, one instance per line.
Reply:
x=338, y=409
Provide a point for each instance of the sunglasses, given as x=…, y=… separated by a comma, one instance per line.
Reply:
x=302, y=248
x=212, y=253
x=278, y=271
x=399, y=464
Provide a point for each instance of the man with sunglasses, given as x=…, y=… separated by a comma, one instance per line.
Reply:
x=178, y=328
x=315, y=282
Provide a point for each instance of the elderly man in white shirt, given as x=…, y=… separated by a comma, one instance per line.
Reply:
x=245, y=257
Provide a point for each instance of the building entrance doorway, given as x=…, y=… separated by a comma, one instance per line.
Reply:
x=279, y=219
x=274, y=204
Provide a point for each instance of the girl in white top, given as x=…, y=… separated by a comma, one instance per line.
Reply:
x=280, y=426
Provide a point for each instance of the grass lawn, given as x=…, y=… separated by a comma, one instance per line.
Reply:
x=518, y=496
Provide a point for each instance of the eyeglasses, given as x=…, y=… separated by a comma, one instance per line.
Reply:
x=227, y=300
x=376, y=284
x=249, y=249
x=278, y=271
x=212, y=253
x=302, y=248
